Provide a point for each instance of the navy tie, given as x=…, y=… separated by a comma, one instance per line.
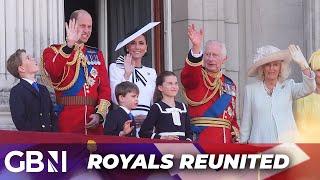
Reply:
x=134, y=131
x=131, y=116
x=35, y=86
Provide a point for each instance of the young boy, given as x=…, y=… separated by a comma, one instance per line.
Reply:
x=119, y=121
x=30, y=104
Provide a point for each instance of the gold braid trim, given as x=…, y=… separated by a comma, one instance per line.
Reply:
x=65, y=74
x=78, y=58
x=44, y=76
x=213, y=122
x=54, y=49
x=193, y=64
x=62, y=53
x=103, y=108
x=213, y=86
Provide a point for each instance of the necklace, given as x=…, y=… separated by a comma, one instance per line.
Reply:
x=269, y=91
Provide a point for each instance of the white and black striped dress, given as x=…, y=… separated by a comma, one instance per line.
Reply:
x=143, y=77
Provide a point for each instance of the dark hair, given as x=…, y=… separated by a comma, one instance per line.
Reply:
x=124, y=88
x=159, y=81
x=132, y=32
x=14, y=62
x=125, y=47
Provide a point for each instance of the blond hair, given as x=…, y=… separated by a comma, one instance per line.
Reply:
x=283, y=75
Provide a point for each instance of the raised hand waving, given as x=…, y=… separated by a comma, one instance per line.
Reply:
x=195, y=38
x=73, y=35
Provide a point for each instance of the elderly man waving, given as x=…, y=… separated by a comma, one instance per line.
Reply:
x=210, y=94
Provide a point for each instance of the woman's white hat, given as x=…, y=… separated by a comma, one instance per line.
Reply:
x=136, y=34
x=266, y=54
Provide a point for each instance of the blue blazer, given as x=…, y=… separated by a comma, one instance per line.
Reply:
x=31, y=110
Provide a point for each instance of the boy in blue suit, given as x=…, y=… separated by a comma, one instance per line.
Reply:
x=120, y=122
x=30, y=104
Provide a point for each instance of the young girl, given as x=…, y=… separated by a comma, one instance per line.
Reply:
x=167, y=118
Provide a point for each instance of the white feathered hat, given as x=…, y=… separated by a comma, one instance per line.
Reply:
x=266, y=54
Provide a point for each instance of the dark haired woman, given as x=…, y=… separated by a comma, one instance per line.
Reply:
x=131, y=69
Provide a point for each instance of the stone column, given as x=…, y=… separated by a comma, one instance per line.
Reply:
x=272, y=22
x=30, y=25
x=232, y=66
x=103, y=28
x=312, y=25
x=180, y=42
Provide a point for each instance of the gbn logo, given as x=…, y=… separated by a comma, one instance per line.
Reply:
x=34, y=161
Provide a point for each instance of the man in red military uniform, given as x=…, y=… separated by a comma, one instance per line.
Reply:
x=209, y=93
x=79, y=76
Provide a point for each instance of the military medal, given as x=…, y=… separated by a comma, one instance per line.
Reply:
x=91, y=81
x=94, y=72
x=229, y=89
x=93, y=58
x=230, y=112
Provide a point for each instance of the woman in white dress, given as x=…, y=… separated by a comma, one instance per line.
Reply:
x=130, y=68
x=267, y=114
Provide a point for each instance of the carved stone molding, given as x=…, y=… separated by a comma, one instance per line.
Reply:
x=4, y=99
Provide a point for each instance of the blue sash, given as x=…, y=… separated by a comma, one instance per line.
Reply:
x=92, y=56
x=216, y=109
x=219, y=106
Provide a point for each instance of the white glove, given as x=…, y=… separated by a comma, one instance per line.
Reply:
x=298, y=57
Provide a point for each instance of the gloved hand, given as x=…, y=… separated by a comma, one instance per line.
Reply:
x=298, y=57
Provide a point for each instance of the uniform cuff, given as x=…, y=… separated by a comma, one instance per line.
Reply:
x=102, y=108
x=195, y=58
x=196, y=55
x=194, y=61
x=67, y=50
